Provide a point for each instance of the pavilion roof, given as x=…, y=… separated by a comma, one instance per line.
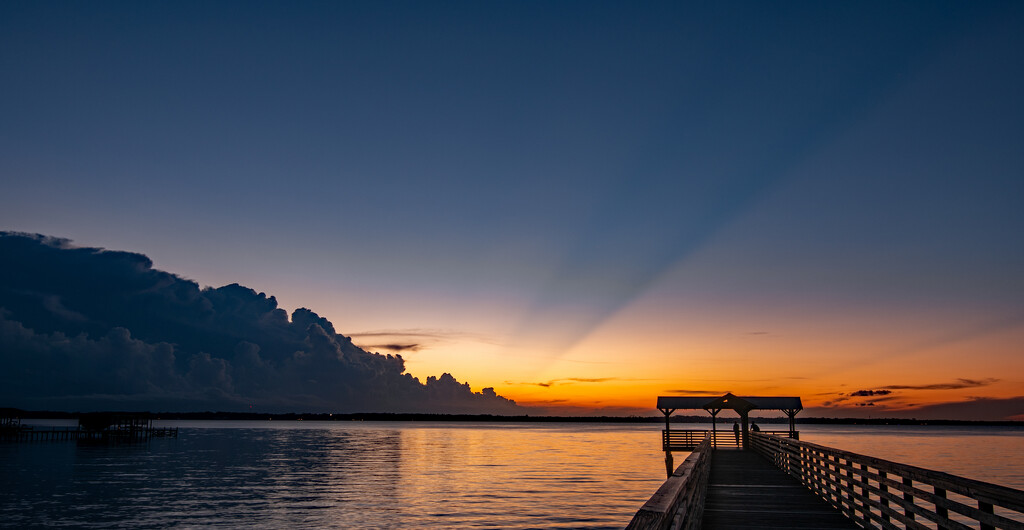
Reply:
x=729, y=401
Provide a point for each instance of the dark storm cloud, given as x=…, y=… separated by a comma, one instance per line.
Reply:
x=88, y=328
x=958, y=384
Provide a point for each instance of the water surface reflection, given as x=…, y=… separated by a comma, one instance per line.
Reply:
x=377, y=474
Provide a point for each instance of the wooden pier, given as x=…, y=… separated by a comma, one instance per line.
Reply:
x=746, y=491
x=744, y=478
x=779, y=482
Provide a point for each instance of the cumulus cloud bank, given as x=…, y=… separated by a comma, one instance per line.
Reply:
x=87, y=329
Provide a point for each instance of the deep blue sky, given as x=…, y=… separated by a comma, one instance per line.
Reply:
x=522, y=172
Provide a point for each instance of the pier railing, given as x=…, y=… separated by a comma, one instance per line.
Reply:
x=679, y=502
x=687, y=439
x=879, y=493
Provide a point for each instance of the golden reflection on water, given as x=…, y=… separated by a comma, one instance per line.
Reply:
x=543, y=475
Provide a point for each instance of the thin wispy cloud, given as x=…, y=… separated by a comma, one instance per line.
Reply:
x=440, y=335
x=887, y=395
x=570, y=380
x=428, y=338
x=956, y=385
x=698, y=392
x=977, y=408
x=411, y=340
x=751, y=380
x=862, y=393
x=411, y=347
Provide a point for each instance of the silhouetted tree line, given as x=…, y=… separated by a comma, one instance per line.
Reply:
x=388, y=416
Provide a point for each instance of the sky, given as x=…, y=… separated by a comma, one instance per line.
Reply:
x=582, y=205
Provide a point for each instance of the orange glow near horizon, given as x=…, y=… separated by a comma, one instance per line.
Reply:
x=852, y=364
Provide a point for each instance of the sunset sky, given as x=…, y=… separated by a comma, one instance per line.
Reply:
x=584, y=205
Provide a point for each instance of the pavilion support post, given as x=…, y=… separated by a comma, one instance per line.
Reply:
x=714, y=427
x=666, y=438
x=667, y=413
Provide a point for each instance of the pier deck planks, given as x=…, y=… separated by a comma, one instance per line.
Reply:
x=746, y=491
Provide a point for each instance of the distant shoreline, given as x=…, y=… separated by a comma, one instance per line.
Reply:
x=387, y=416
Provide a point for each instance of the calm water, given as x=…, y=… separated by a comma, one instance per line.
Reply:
x=363, y=474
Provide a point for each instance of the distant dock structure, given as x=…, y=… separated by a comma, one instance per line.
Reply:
x=772, y=479
x=100, y=427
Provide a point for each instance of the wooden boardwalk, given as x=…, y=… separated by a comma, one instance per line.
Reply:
x=747, y=491
x=778, y=481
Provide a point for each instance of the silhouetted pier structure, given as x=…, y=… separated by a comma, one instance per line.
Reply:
x=91, y=428
x=773, y=480
x=686, y=440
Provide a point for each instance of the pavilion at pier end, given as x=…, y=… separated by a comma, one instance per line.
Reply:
x=751, y=479
x=687, y=440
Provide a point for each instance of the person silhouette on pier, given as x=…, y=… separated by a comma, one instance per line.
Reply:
x=736, y=431
x=755, y=428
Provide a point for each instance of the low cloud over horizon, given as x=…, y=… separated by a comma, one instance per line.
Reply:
x=956, y=385
x=890, y=403
x=87, y=329
x=973, y=408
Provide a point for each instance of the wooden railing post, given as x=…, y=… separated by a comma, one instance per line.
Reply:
x=846, y=495
x=865, y=507
x=798, y=463
x=941, y=511
x=986, y=508
x=819, y=471
x=884, y=497
x=907, y=497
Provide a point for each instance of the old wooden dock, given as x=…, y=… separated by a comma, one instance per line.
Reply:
x=92, y=428
x=753, y=479
x=746, y=491
x=779, y=482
